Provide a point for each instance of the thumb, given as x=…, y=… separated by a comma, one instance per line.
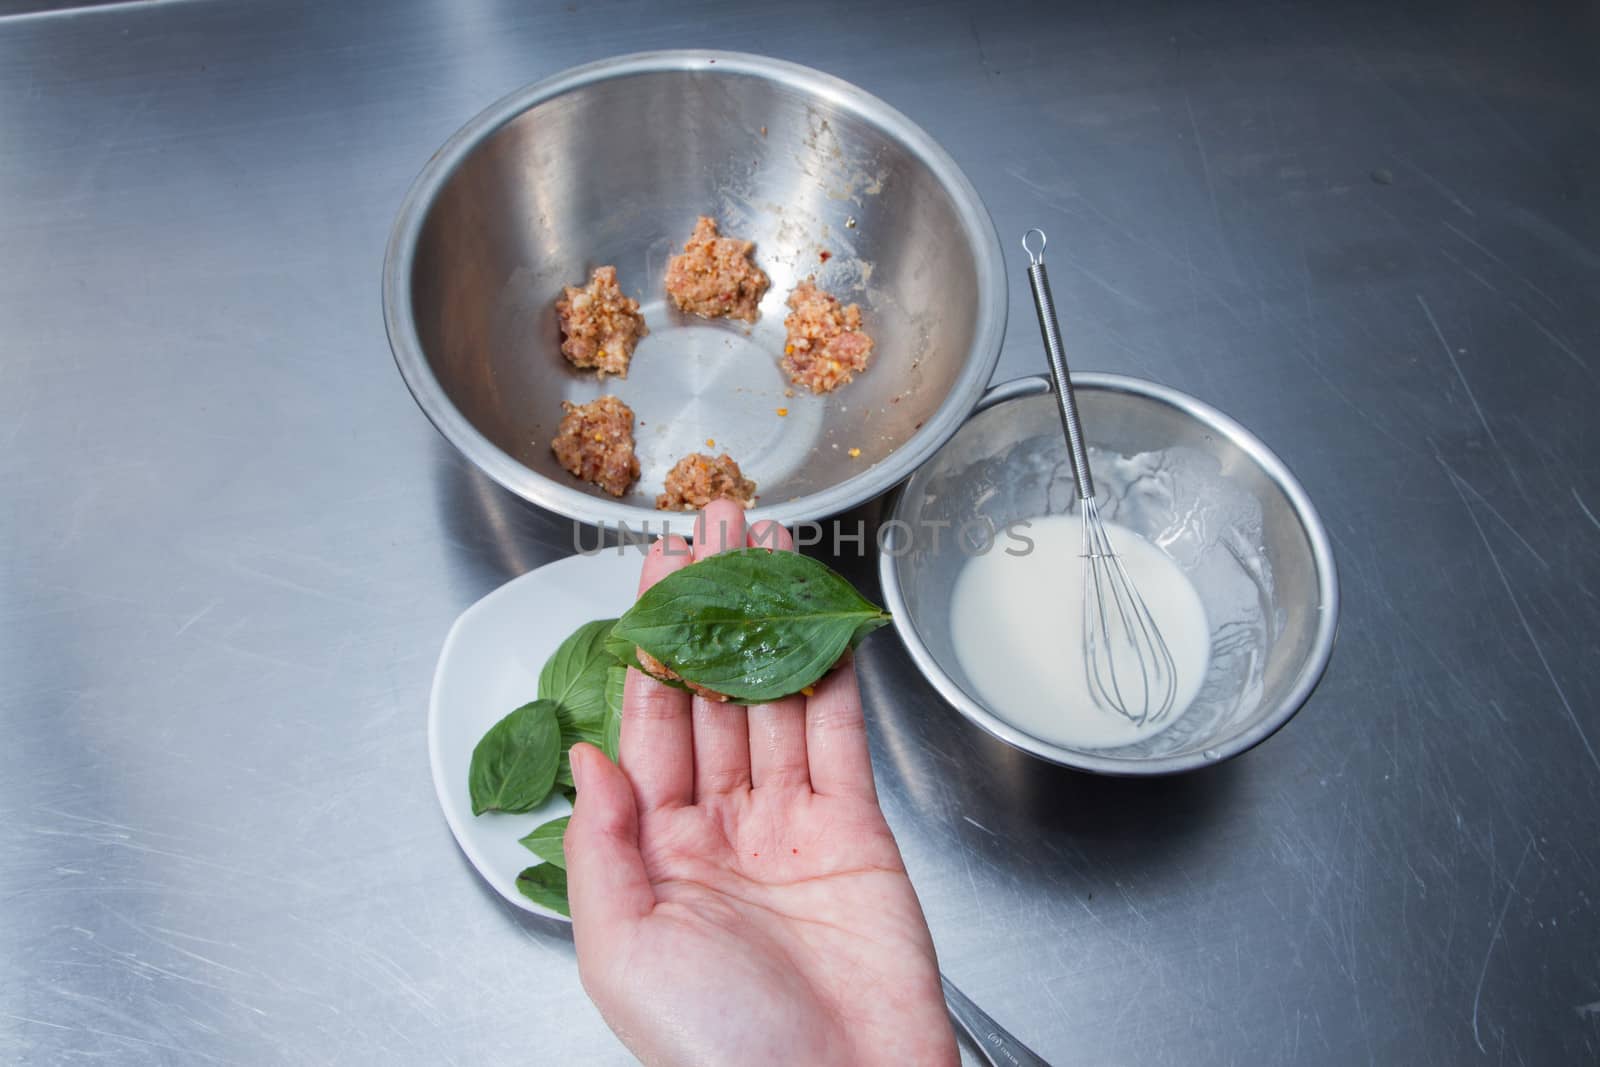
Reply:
x=606, y=885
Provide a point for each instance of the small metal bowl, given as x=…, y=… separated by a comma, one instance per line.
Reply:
x=1191, y=480
x=611, y=164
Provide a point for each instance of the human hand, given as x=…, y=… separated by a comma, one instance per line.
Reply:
x=736, y=895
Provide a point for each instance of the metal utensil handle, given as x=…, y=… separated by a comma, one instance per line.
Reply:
x=990, y=1038
x=1050, y=330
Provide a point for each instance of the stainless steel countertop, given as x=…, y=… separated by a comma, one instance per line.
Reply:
x=232, y=546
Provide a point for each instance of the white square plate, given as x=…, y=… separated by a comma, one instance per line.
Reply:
x=490, y=666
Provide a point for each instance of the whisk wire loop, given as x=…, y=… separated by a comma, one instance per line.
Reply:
x=1118, y=629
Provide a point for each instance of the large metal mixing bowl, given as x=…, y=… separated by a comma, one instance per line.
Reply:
x=1194, y=483
x=610, y=164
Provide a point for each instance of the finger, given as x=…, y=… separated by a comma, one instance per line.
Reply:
x=720, y=527
x=657, y=745
x=778, y=730
x=777, y=743
x=666, y=555
x=769, y=534
x=721, y=739
x=606, y=882
x=836, y=737
x=721, y=749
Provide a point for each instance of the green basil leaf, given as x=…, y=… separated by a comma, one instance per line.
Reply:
x=514, y=765
x=545, y=841
x=866, y=628
x=575, y=678
x=627, y=654
x=571, y=733
x=545, y=884
x=755, y=624
x=575, y=674
x=616, y=679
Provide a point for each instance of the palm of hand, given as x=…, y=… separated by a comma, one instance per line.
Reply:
x=793, y=913
x=737, y=897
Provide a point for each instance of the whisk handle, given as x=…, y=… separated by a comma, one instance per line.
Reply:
x=1050, y=330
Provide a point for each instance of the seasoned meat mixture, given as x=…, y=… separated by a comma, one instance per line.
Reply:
x=595, y=443
x=698, y=479
x=826, y=346
x=714, y=276
x=600, y=324
x=660, y=670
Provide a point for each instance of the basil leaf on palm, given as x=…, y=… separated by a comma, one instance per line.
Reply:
x=616, y=680
x=545, y=884
x=545, y=841
x=627, y=654
x=514, y=765
x=754, y=624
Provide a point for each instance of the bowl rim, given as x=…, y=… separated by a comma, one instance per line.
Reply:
x=983, y=353
x=1305, y=682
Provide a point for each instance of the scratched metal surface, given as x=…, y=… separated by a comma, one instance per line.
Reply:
x=232, y=546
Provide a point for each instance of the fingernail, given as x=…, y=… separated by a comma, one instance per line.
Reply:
x=577, y=767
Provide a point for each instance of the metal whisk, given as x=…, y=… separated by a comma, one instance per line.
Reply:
x=1118, y=628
